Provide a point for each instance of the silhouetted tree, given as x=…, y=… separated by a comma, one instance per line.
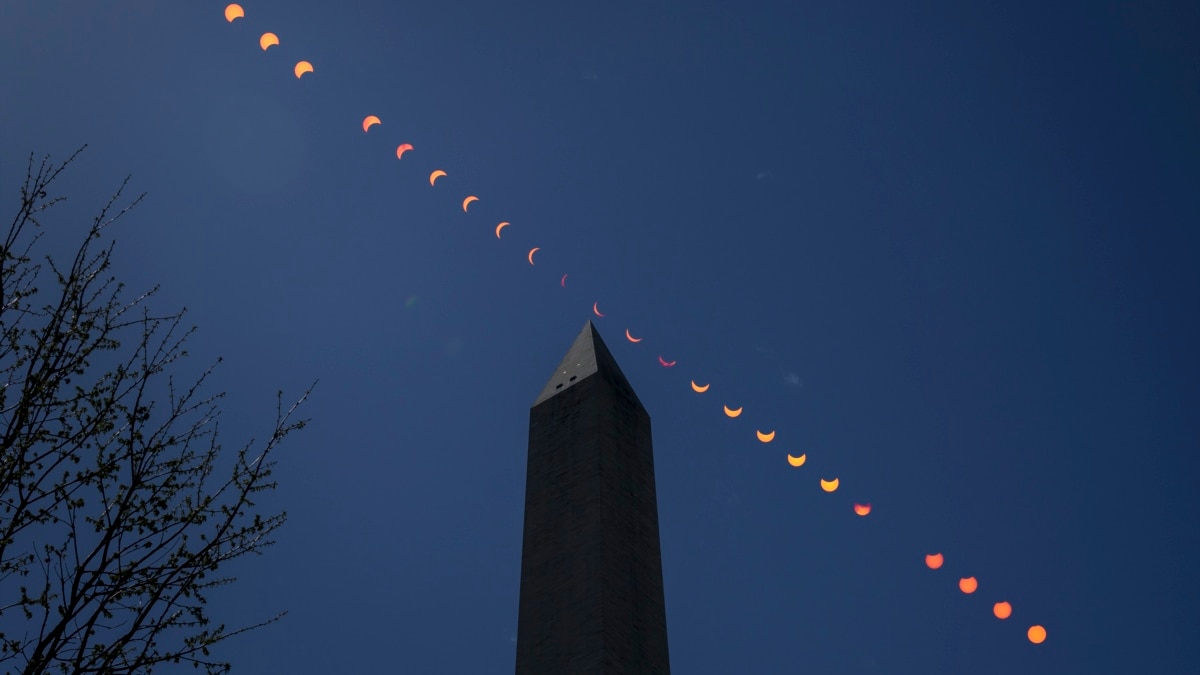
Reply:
x=117, y=507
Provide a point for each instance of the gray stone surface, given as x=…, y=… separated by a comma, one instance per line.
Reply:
x=591, y=569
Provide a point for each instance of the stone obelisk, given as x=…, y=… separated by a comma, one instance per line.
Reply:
x=591, y=567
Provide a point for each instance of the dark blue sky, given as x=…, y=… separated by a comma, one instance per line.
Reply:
x=947, y=250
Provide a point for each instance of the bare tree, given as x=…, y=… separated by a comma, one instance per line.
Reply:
x=117, y=507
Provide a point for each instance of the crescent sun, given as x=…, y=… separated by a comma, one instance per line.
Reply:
x=369, y=121
x=234, y=11
x=665, y=363
x=730, y=412
x=303, y=67
x=829, y=485
x=765, y=438
x=401, y=149
x=563, y=283
x=533, y=250
x=436, y=175
x=699, y=389
x=501, y=226
x=268, y=40
x=631, y=338
x=797, y=461
x=467, y=202
x=596, y=308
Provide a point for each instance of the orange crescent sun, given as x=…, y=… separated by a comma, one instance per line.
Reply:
x=797, y=461
x=234, y=11
x=731, y=412
x=829, y=485
x=268, y=40
x=467, y=202
x=934, y=560
x=436, y=175
x=698, y=388
x=631, y=338
x=596, y=308
x=370, y=121
x=862, y=509
x=765, y=438
x=501, y=226
x=303, y=67
x=533, y=250
x=401, y=149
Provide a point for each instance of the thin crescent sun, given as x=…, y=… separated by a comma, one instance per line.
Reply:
x=631, y=338
x=596, y=308
x=370, y=121
x=732, y=412
x=501, y=226
x=699, y=389
x=563, y=283
x=533, y=250
x=467, y=202
x=401, y=149
x=765, y=438
x=268, y=40
x=303, y=67
x=862, y=509
x=829, y=485
x=797, y=461
x=436, y=175
x=234, y=11
x=665, y=363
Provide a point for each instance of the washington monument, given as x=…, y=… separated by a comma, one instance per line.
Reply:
x=591, y=568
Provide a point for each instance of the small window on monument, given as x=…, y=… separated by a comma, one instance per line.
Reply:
x=558, y=386
x=572, y=378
